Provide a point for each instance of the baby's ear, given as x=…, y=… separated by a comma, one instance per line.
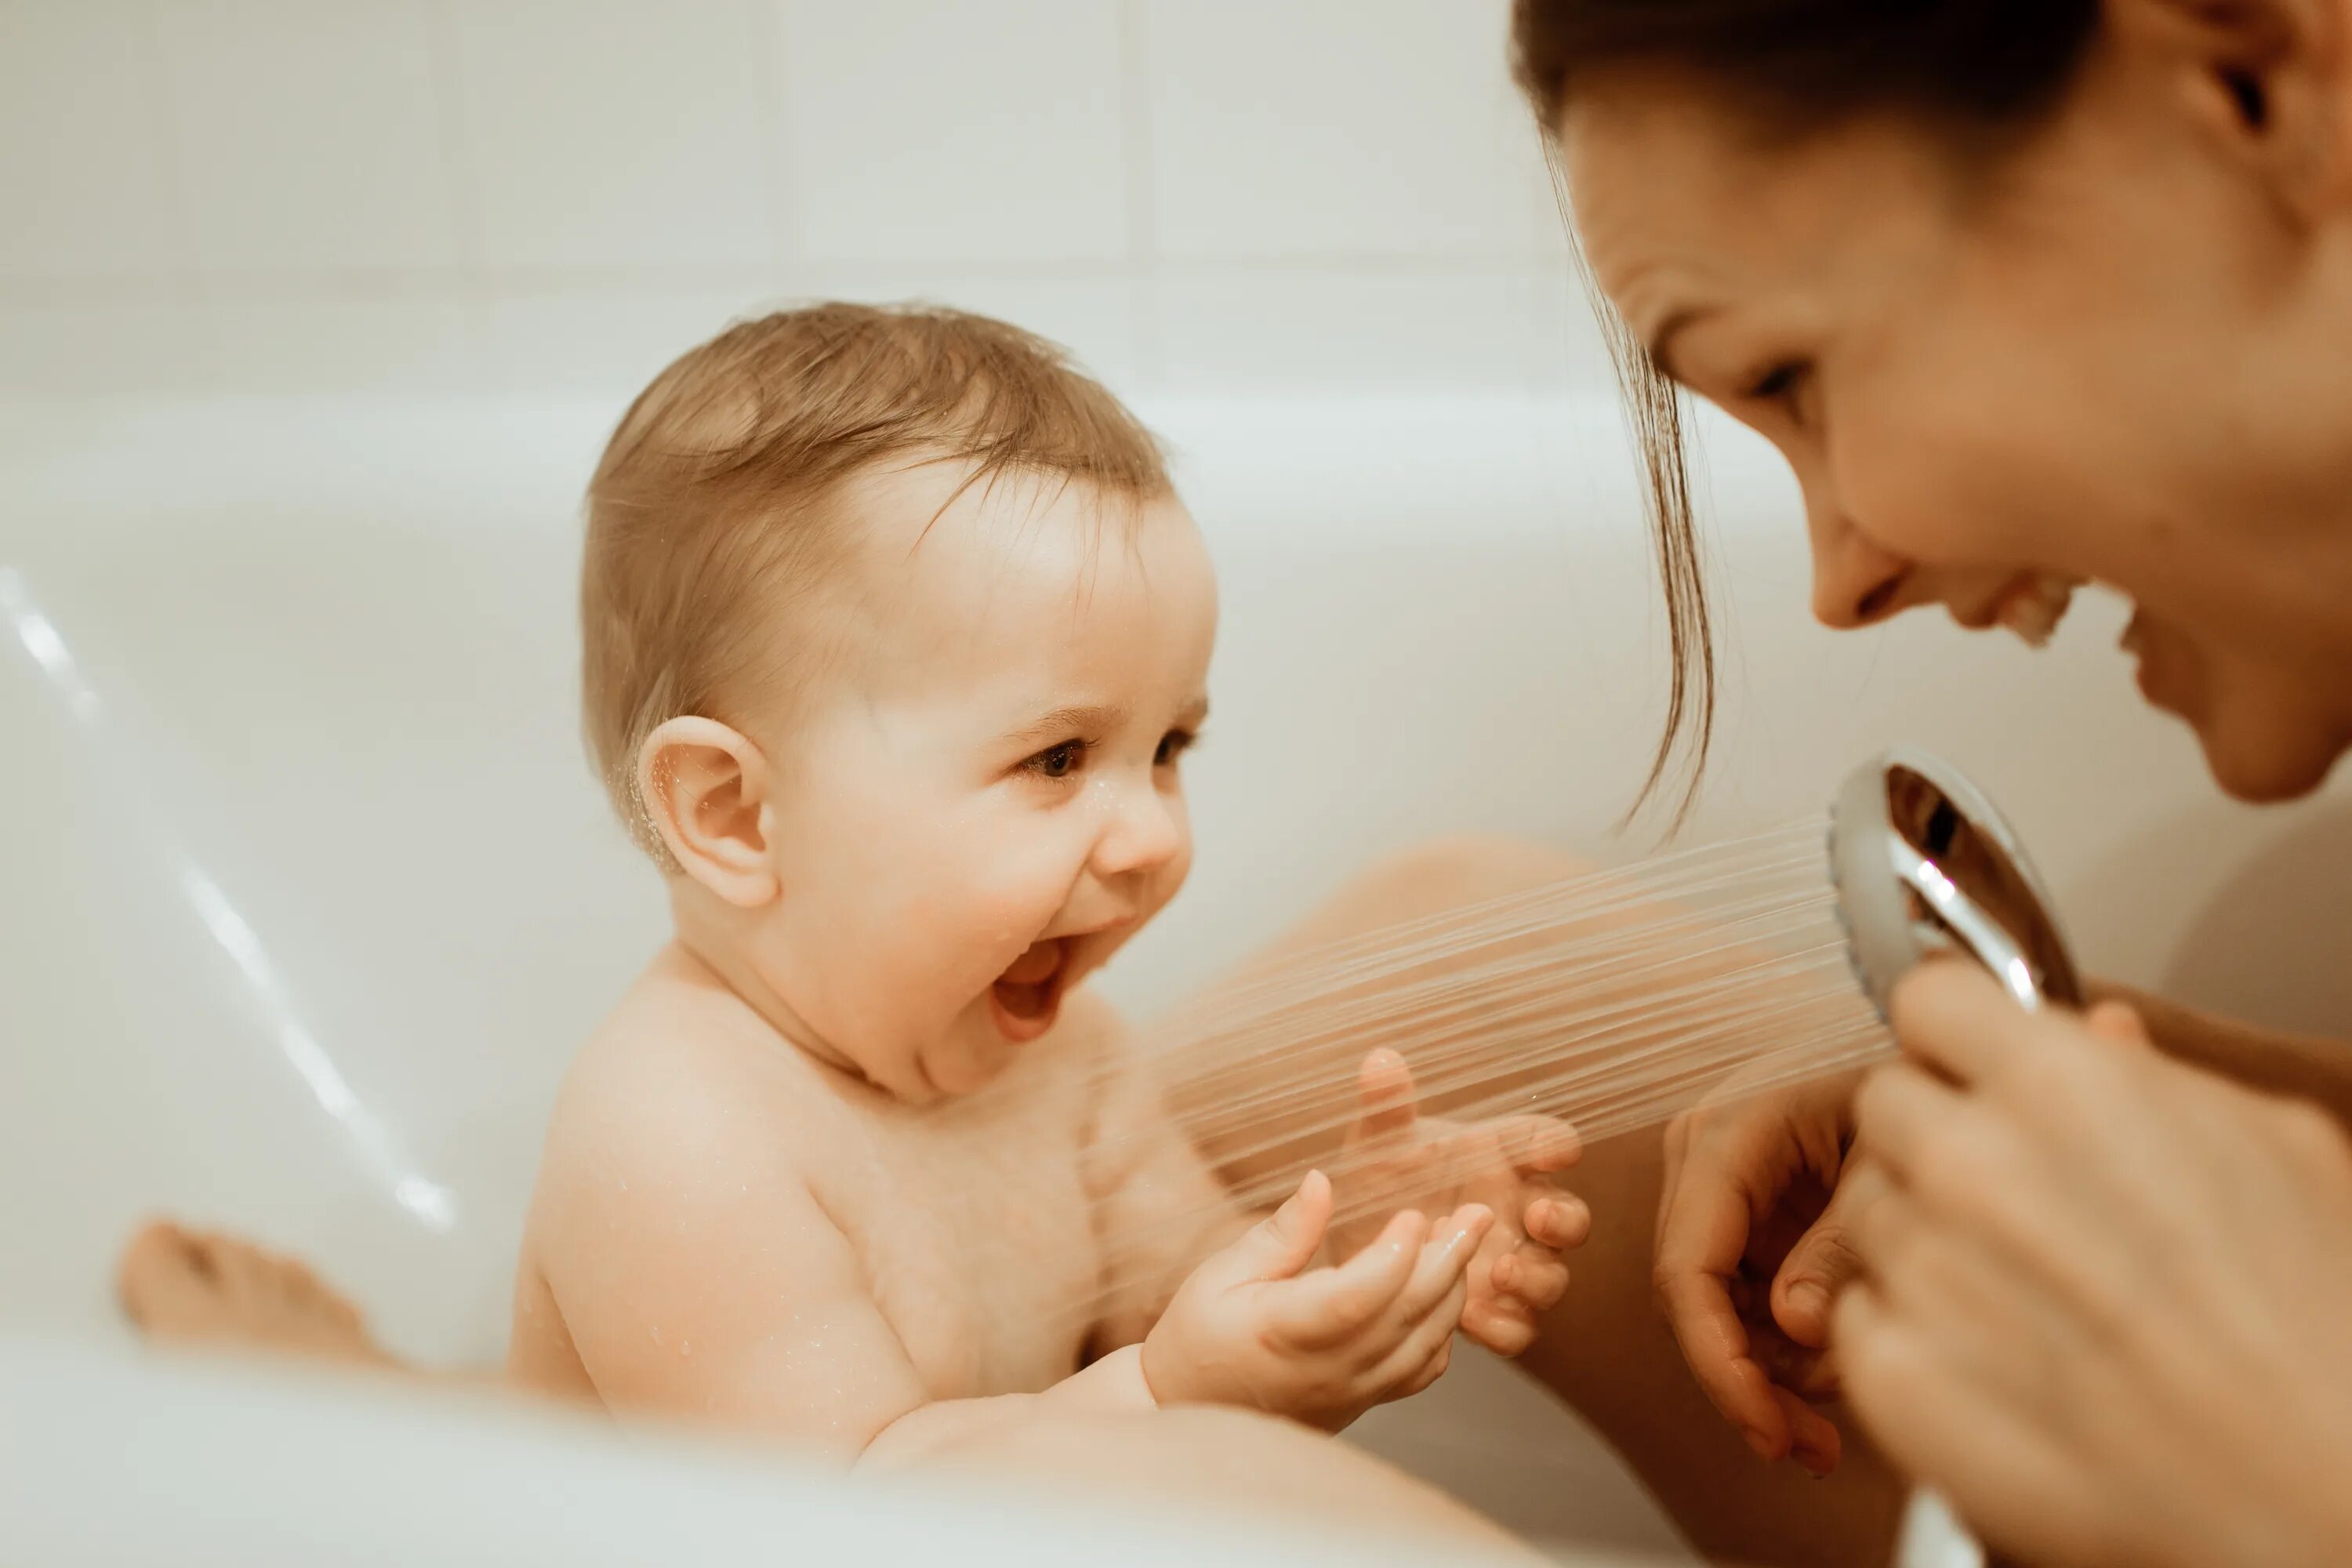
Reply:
x=706, y=788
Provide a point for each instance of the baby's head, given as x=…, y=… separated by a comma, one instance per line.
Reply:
x=895, y=634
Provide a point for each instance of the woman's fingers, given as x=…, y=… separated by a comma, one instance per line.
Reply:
x=1813, y=1440
x=1716, y=1344
x=1937, y=1423
x=1701, y=1238
x=1825, y=1259
x=1912, y=1120
x=1953, y=1017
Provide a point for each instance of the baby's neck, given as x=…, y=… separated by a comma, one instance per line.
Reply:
x=708, y=952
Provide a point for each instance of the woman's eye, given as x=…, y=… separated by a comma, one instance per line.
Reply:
x=1779, y=384
x=1173, y=745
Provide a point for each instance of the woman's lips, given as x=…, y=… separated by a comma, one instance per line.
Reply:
x=2034, y=606
x=1027, y=996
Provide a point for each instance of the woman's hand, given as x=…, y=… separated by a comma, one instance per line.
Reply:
x=1752, y=1248
x=1254, y=1326
x=1395, y=1158
x=2107, y=1300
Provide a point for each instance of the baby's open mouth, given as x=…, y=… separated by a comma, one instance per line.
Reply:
x=1027, y=995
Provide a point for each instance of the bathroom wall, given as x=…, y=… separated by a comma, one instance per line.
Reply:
x=272, y=196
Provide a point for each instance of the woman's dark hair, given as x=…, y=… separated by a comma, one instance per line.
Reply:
x=1978, y=69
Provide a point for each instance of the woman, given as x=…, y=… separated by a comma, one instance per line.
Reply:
x=2030, y=293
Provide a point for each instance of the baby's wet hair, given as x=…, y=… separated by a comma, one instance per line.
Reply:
x=709, y=518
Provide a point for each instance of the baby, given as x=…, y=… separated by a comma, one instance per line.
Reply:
x=896, y=637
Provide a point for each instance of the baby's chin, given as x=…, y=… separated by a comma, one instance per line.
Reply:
x=972, y=1054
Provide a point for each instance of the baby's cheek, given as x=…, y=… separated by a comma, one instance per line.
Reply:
x=1172, y=878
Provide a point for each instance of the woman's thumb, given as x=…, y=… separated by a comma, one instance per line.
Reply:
x=1823, y=1259
x=1285, y=1242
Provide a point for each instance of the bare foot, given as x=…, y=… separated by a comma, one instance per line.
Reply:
x=196, y=1288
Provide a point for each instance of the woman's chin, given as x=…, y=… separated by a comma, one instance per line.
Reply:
x=2264, y=770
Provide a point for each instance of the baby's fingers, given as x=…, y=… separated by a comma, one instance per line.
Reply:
x=1399, y=1370
x=1327, y=1305
x=1444, y=1262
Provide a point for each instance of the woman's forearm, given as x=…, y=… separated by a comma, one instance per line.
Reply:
x=2303, y=1066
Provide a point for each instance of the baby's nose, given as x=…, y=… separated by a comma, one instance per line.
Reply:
x=1144, y=832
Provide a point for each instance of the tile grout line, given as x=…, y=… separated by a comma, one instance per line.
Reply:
x=461, y=188
x=187, y=280
x=772, y=38
x=1139, y=148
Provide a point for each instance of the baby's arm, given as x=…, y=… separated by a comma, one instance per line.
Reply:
x=1159, y=1208
x=699, y=1276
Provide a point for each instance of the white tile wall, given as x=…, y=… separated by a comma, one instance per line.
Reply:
x=1334, y=128
x=94, y=349
x=82, y=191
x=938, y=129
x=308, y=134
x=342, y=345
x=1350, y=330
x=325, y=195
x=614, y=132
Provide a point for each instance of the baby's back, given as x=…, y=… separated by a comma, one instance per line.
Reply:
x=686, y=1116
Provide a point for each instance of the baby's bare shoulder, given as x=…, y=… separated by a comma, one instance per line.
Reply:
x=679, y=1084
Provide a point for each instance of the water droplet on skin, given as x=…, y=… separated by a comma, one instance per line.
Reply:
x=654, y=1331
x=685, y=1347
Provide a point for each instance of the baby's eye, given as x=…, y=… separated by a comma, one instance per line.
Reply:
x=1059, y=762
x=1173, y=745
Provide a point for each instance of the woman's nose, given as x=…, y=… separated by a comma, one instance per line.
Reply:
x=1855, y=581
x=1144, y=830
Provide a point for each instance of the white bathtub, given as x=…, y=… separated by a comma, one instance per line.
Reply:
x=309, y=894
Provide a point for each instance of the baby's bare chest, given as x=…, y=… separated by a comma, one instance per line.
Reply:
x=977, y=1234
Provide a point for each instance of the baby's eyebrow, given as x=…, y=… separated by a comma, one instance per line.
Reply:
x=1082, y=719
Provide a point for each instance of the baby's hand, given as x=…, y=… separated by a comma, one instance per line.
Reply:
x=1396, y=1157
x=1253, y=1326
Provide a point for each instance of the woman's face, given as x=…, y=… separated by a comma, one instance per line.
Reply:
x=2118, y=353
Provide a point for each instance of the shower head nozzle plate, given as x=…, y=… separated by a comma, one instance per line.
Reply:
x=1924, y=863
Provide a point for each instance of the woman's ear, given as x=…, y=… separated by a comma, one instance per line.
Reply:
x=706, y=788
x=2270, y=79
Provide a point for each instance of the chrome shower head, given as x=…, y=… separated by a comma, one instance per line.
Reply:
x=1923, y=863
